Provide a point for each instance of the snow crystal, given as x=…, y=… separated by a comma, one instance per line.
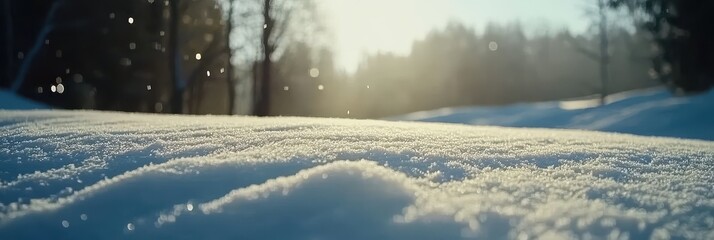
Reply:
x=167, y=177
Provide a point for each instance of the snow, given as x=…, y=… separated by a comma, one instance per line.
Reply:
x=10, y=101
x=104, y=175
x=652, y=112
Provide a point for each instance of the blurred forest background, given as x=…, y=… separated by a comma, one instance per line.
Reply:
x=274, y=57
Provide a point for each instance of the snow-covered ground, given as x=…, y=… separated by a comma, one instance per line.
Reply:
x=10, y=101
x=94, y=175
x=653, y=112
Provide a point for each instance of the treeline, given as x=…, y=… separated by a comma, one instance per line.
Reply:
x=457, y=66
x=118, y=55
x=684, y=40
x=266, y=57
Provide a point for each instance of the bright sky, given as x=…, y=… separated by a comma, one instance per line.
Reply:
x=369, y=26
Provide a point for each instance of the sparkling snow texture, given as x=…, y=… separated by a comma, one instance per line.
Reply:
x=91, y=175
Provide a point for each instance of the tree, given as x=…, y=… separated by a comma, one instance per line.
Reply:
x=604, y=59
x=77, y=53
x=230, y=76
x=50, y=25
x=198, y=53
x=268, y=44
x=685, y=55
x=174, y=58
x=279, y=19
x=9, y=37
x=602, y=56
x=112, y=55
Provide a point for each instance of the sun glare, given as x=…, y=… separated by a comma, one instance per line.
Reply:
x=370, y=26
x=375, y=25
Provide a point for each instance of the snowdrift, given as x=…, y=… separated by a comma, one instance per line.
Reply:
x=653, y=112
x=93, y=175
x=11, y=101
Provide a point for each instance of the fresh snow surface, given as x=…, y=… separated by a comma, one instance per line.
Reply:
x=93, y=175
x=653, y=112
x=10, y=101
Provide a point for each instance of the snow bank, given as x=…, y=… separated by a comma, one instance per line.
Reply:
x=653, y=112
x=10, y=101
x=89, y=175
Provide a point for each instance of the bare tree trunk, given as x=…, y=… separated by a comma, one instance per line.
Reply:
x=194, y=97
x=229, y=67
x=604, y=55
x=9, y=44
x=262, y=104
x=174, y=59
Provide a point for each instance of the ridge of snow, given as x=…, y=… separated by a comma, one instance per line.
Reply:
x=649, y=112
x=11, y=101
